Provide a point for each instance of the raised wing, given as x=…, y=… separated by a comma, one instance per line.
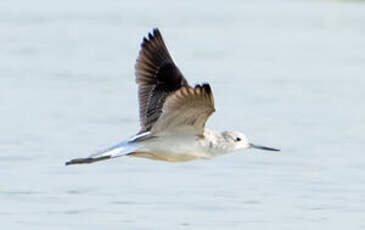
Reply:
x=187, y=111
x=157, y=77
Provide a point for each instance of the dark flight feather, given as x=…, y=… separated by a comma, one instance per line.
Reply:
x=157, y=77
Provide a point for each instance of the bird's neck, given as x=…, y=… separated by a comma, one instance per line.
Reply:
x=216, y=143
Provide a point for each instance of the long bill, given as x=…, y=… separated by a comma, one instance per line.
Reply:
x=263, y=147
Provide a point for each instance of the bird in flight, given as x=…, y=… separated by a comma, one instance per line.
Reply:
x=172, y=114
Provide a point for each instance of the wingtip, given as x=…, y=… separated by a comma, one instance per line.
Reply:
x=156, y=31
x=78, y=161
x=87, y=160
x=206, y=87
x=151, y=35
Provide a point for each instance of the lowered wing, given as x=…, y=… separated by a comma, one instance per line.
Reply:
x=186, y=111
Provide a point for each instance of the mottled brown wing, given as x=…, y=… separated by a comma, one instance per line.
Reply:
x=157, y=77
x=186, y=111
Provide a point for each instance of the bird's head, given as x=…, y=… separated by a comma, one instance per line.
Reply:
x=239, y=141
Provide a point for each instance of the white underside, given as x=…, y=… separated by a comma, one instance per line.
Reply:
x=175, y=148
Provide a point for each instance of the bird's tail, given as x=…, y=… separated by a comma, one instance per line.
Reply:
x=121, y=149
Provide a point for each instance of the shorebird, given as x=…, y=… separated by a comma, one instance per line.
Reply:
x=172, y=114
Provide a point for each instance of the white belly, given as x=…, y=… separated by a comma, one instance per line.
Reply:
x=173, y=148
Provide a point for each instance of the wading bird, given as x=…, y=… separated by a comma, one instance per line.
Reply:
x=172, y=114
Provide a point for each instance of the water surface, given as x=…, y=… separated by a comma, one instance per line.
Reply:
x=290, y=74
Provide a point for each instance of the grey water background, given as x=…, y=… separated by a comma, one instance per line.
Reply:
x=290, y=74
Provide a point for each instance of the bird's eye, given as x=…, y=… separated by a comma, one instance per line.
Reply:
x=238, y=139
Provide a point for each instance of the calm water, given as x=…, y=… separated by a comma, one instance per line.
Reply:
x=290, y=74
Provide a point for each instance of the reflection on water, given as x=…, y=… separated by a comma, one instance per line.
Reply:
x=289, y=74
